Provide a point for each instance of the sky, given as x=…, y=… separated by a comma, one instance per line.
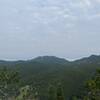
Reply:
x=62, y=28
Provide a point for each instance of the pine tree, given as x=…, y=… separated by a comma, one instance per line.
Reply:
x=60, y=95
x=52, y=93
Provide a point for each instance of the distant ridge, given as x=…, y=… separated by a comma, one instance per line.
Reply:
x=54, y=58
x=90, y=59
x=49, y=59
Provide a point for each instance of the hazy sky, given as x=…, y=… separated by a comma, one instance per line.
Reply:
x=63, y=28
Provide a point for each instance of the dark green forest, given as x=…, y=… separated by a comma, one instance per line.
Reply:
x=50, y=78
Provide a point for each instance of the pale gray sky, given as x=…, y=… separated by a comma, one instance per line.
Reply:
x=63, y=28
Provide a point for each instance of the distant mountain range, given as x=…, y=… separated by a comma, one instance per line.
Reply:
x=45, y=70
x=55, y=59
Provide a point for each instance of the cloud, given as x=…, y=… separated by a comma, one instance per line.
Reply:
x=36, y=27
x=98, y=1
x=88, y=2
x=93, y=17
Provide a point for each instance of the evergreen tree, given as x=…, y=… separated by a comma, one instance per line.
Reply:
x=52, y=93
x=60, y=95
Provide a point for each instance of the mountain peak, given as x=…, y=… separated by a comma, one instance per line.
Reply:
x=90, y=59
x=94, y=56
x=50, y=59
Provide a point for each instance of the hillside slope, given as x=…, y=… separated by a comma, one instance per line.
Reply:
x=44, y=71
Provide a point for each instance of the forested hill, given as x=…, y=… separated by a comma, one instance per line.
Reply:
x=54, y=59
x=49, y=70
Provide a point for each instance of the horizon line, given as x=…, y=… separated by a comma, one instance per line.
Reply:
x=67, y=59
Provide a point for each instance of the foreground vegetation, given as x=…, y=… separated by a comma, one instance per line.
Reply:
x=11, y=88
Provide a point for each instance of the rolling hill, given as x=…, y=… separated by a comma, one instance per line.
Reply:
x=43, y=71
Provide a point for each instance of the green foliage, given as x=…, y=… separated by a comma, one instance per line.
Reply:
x=8, y=76
x=52, y=93
x=74, y=98
x=28, y=93
x=8, y=80
x=91, y=85
x=60, y=93
x=25, y=93
x=93, y=88
x=56, y=93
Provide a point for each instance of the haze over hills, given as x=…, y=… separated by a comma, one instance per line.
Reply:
x=53, y=58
